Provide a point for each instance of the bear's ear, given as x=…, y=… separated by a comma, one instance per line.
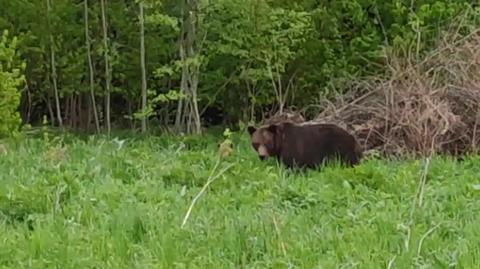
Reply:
x=251, y=129
x=273, y=128
x=277, y=128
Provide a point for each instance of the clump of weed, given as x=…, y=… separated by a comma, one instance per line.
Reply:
x=3, y=149
x=225, y=148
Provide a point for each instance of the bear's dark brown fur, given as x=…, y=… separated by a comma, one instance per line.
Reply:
x=304, y=145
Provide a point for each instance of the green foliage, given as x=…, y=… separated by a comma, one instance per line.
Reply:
x=252, y=53
x=254, y=41
x=11, y=80
x=156, y=100
x=351, y=37
x=120, y=203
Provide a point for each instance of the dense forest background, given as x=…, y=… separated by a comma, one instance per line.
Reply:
x=97, y=65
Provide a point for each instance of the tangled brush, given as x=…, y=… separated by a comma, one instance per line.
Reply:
x=427, y=106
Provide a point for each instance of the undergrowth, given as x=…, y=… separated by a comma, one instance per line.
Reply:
x=120, y=202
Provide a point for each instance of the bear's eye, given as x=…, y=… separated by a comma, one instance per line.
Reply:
x=255, y=145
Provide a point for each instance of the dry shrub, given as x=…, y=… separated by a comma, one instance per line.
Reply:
x=422, y=107
x=285, y=116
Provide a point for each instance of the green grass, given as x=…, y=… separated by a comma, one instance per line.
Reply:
x=96, y=203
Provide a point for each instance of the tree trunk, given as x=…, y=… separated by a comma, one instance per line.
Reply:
x=54, y=70
x=89, y=115
x=68, y=104
x=107, y=68
x=180, y=110
x=194, y=74
x=144, y=76
x=29, y=107
x=79, y=114
x=75, y=111
x=179, y=115
x=190, y=72
x=90, y=68
x=130, y=113
x=50, y=110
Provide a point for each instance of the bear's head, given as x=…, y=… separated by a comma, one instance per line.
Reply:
x=265, y=140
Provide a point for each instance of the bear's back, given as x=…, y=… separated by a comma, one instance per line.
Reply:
x=310, y=143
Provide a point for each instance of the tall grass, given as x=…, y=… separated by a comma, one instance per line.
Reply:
x=112, y=203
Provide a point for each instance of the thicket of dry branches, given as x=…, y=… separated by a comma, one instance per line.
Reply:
x=431, y=105
x=286, y=115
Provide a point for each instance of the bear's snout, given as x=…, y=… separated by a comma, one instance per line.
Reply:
x=262, y=152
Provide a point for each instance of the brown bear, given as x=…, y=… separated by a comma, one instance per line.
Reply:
x=305, y=145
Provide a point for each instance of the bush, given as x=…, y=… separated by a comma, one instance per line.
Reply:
x=11, y=79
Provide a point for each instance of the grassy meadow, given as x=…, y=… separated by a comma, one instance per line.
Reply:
x=73, y=202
